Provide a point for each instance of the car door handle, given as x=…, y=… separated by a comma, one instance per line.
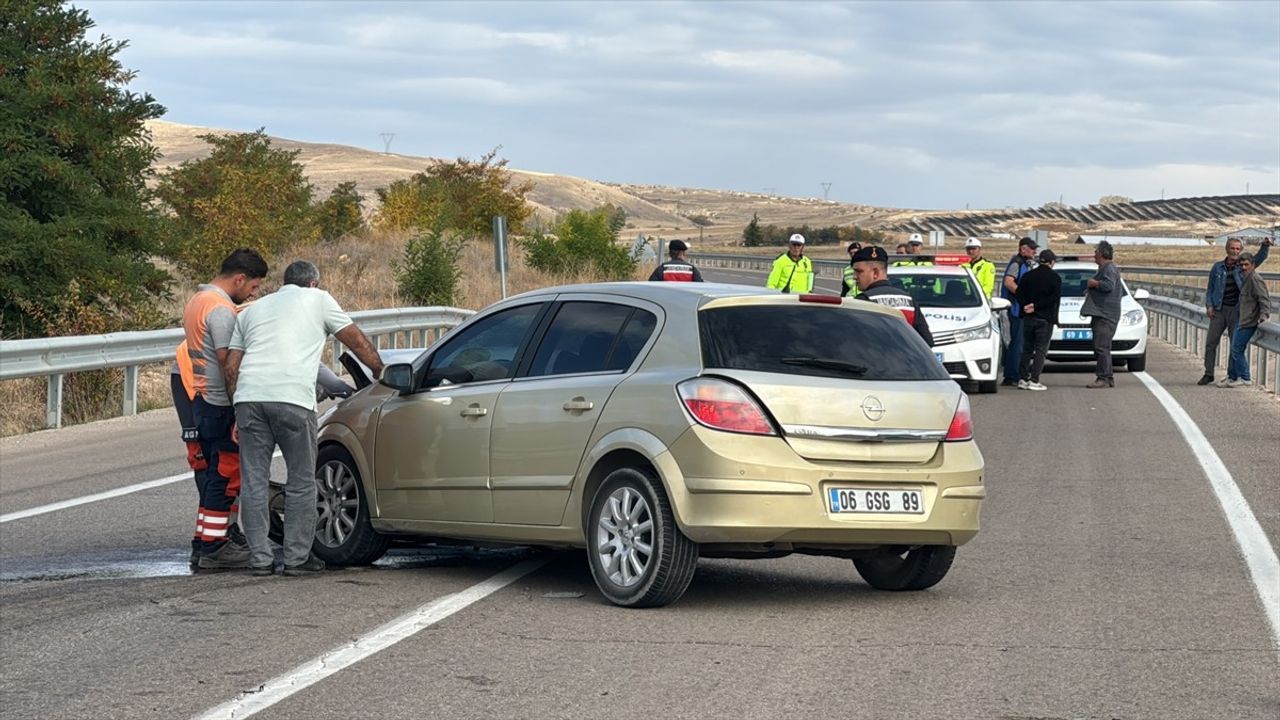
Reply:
x=578, y=405
x=474, y=411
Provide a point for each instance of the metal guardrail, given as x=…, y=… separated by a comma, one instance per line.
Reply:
x=1186, y=325
x=54, y=358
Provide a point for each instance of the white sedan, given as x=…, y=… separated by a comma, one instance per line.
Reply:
x=964, y=322
x=1072, y=339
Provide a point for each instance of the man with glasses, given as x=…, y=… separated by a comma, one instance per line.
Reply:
x=792, y=272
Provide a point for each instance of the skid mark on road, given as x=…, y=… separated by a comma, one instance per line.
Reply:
x=1259, y=556
x=403, y=627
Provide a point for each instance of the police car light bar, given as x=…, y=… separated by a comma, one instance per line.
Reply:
x=824, y=299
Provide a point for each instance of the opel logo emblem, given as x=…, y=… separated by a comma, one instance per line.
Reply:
x=872, y=408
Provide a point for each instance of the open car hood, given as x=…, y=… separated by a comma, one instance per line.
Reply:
x=360, y=375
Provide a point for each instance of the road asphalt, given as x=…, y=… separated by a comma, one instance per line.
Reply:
x=1106, y=583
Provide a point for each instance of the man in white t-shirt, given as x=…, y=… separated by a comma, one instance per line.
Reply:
x=274, y=352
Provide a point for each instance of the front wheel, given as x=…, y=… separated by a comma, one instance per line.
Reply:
x=344, y=535
x=914, y=568
x=638, y=556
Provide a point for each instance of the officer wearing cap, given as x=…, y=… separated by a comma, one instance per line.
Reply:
x=847, y=282
x=677, y=269
x=1022, y=262
x=982, y=268
x=871, y=270
x=792, y=272
x=914, y=245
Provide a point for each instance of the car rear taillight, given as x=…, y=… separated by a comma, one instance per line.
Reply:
x=962, y=423
x=722, y=405
x=824, y=299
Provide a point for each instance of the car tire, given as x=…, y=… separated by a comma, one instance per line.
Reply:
x=629, y=513
x=1137, y=364
x=344, y=535
x=988, y=387
x=900, y=569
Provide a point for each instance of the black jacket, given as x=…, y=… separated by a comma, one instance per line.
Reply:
x=886, y=294
x=1043, y=288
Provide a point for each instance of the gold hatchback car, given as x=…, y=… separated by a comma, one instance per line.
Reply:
x=654, y=423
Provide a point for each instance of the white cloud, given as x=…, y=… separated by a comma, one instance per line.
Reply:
x=789, y=64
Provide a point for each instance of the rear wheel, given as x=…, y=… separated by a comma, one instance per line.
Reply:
x=1137, y=364
x=914, y=568
x=638, y=556
x=344, y=535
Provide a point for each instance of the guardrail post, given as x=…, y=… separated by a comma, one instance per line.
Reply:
x=53, y=403
x=131, y=390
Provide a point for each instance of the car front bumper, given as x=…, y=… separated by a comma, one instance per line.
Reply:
x=1129, y=341
x=971, y=360
x=721, y=495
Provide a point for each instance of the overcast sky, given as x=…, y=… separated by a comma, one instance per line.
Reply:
x=909, y=104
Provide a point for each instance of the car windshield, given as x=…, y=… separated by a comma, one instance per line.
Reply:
x=1074, y=281
x=815, y=340
x=939, y=291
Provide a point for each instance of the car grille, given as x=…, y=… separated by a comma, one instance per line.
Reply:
x=944, y=338
x=956, y=368
x=1087, y=345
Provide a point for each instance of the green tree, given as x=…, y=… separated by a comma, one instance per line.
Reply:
x=342, y=213
x=583, y=241
x=245, y=193
x=751, y=234
x=429, y=274
x=76, y=231
x=463, y=195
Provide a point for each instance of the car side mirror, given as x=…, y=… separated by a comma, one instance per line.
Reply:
x=398, y=376
x=1141, y=294
x=999, y=303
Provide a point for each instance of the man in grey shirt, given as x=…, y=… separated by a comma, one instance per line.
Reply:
x=1102, y=305
x=271, y=374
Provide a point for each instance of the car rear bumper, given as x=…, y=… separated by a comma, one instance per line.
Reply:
x=720, y=496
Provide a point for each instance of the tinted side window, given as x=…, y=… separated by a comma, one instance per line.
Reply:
x=822, y=341
x=580, y=339
x=634, y=336
x=484, y=351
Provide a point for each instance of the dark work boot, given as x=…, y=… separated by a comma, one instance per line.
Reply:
x=1205, y=380
x=312, y=566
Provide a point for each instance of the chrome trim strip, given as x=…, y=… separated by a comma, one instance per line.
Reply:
x=846, y=434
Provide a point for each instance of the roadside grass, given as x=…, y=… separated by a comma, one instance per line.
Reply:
x=358, y=271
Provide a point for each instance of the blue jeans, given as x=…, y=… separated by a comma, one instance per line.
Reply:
x=1238, y=365
x=1013, y=353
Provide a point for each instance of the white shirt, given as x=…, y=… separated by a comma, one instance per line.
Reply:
x=282, y=336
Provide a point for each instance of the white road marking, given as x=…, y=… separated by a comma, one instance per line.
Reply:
x=1259, y=556
x=403, y=627
x=85, y=499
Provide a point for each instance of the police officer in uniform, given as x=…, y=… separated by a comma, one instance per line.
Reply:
x=678, y=268
x=984, y=269
x=792, y=272
x=847, y=283
x=914, y=245
x=871, y=270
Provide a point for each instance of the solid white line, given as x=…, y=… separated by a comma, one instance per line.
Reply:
x=1264, y=567
x=85, y=499
x=403, y=627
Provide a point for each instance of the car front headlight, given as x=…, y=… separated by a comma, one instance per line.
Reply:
x=1133, y=317
x=978, y=333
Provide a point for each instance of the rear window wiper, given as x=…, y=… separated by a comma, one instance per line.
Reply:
x=827, y=364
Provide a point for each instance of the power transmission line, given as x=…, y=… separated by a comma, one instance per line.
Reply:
x=386, y=142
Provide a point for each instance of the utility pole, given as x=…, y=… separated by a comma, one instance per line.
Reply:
x=768, y=190
x=386, y=142
x=826, y=189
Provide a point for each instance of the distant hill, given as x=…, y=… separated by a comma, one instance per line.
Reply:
x=721, y=214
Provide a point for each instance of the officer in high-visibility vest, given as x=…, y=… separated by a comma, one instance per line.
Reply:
x=984, y=269
x=914, y=245
x=792, y=271
x=849, y=284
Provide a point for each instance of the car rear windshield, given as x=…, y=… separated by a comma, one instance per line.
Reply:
x=1075, y=281
x=940, y=291
x=816, y=340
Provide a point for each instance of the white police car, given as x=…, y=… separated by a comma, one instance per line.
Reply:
x=1072, y=340
x=964, y=322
